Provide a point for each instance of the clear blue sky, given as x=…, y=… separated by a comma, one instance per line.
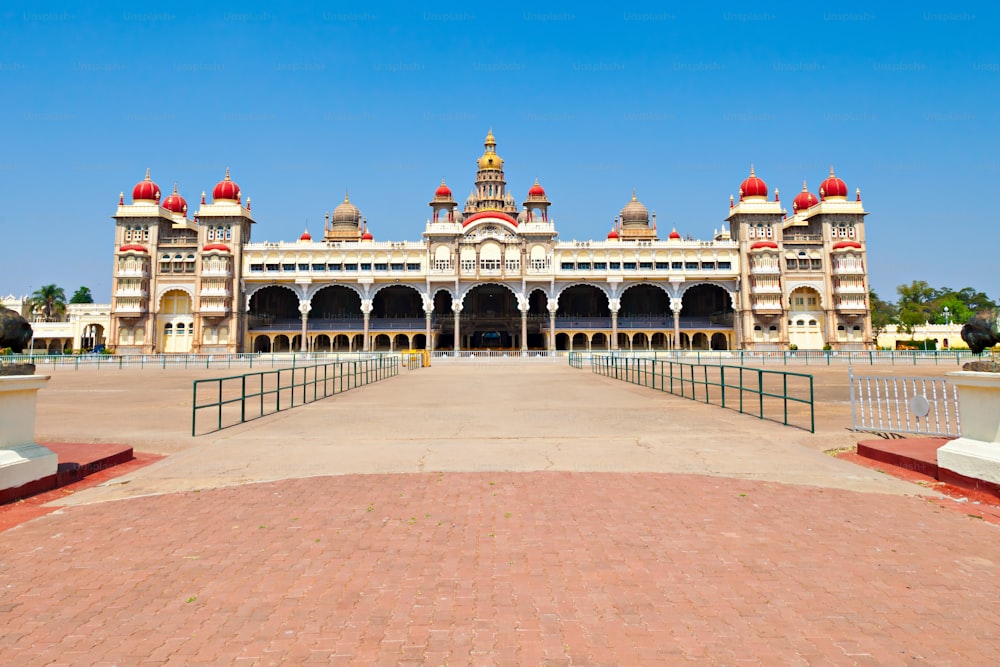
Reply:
x=674, y=99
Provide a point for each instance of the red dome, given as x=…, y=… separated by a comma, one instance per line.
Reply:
x=846, y=244
x=536, y=190
x=674, y=234
x=804, y=199
x=226, y=190
x=833, y=187
x=443, y=190
x=175, y=203
x=133, y=247
x=216, y=246
x=612, y=234
x=306, y=236
x=367, y=236
x=145, y=190
x=763, y=244
x=753, y=186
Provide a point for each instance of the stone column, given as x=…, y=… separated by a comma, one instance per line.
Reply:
x=429, y=340
x=522, y=305
x=22, y=460
x=553, y=305
x=675, y=308
x=366, y=311
x=615, y=305
x=457, y=309
x=304, y=308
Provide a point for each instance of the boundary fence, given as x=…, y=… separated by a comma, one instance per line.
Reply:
x=164, y=361
x=920, y=405
x=779, y=396
x=238, y=399
x=798, y=357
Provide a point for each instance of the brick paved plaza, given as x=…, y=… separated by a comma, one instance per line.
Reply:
x=512, y=514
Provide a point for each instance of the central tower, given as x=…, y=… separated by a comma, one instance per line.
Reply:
x=490, y=192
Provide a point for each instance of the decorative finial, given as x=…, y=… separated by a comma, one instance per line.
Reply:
x=346, y=198
x=776, y=197
x=121, y=198
x=831, y=170
x=185, y=210
x=804, y=188
x=175, y=187
x=730, y=201
x=157, y=195
x=752, y=175
x=248, y=203
x=822, y=193
x=633, y=194
x=857, y=194
x=227, y=173
x=147, y=173
x=203, y=197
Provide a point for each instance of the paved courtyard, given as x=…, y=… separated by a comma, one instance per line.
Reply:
x=513, y=513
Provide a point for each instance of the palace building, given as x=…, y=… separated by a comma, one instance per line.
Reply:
x=490, y=274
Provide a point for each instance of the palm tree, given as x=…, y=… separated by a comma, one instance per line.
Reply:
x=49, y=301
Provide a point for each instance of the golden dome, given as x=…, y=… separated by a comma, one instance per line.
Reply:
x=490, y=160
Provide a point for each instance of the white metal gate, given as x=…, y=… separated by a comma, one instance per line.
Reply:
x=920, y=405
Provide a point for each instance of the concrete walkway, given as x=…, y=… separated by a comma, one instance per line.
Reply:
x=505, y=416
x=518, y=514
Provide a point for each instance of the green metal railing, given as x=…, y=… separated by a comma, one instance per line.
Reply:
x=238, y=399
x=779, y=396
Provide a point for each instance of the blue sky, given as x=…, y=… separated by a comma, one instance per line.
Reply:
x=385, y=99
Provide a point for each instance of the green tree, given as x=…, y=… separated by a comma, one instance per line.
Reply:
x=916, y=304
x=82, y=295
x=883, y=313
x=49, y=302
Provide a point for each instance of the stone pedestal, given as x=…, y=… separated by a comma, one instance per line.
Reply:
x=976, y=455
x=22, y=460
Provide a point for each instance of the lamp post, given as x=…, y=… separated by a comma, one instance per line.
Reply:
x=947, y=316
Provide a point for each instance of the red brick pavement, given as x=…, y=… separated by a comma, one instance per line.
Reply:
x=503, y=569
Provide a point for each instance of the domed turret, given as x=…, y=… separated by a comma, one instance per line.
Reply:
x=833, y=188
x=490, y=159
x=175, y=203
x=753, y=188
x=536, y=190
x=306, y=236
x=346, y=213
x=145, y=190
x=443, y=191
x=226, y=190
x=674, y=235
x=635, y=214
x=804, y=199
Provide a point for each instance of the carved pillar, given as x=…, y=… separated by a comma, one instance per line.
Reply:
x=615, y=305
x=366, y=311
x=457, y=309
x=675, y=307
x=553, y=306
x=304, y=308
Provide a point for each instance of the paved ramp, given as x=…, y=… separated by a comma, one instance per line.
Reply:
x=503, y=416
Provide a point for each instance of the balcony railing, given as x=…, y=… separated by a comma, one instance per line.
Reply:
x=131, y=292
